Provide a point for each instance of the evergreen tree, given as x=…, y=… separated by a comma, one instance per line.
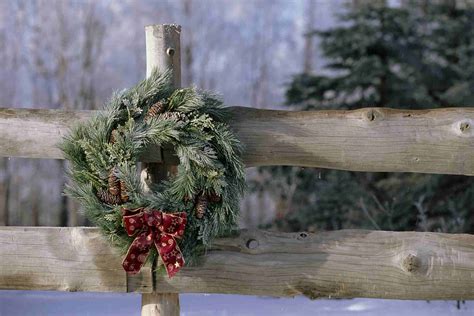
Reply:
x=407, y=57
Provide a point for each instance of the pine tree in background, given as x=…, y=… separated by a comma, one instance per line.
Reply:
x=411, y=57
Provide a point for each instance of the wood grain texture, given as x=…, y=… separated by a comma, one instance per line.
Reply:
x=63, y=259
x=347, y=263
x=371, y=139
x=35, y=133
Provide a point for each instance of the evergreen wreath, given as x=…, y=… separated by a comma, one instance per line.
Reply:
x=104, y=156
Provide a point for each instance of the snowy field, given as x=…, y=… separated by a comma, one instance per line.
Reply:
x=27, y=303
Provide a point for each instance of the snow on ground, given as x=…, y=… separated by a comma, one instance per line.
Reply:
x=30, y=303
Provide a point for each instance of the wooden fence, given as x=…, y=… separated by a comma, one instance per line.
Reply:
x=343, y=264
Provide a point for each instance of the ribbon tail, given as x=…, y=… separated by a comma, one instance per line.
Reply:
x=170, y=253
x=137, y=253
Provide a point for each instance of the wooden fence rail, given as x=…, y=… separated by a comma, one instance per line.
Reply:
x=372, y=139
x=347, y=263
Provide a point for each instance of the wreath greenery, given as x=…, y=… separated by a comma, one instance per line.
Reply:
x=104, y=157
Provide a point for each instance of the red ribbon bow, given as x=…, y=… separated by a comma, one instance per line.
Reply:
x=154, y=226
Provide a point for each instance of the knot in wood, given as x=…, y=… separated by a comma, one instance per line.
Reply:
x=373, y=114
x=464, y=127
x=302, y=235
x=411, y=263
x=252, y=243
x=170, y=51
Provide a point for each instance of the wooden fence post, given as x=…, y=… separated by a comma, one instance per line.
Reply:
x=162, y=52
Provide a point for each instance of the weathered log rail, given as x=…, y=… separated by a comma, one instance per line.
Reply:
x=372, y=139
x=347, y=263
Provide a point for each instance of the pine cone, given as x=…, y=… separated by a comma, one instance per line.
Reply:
x=114, y=183
x=201, y=206
x=123, y=192
x=113, y=136
x=108, y=198
x=154, y=110
x=214, y=198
